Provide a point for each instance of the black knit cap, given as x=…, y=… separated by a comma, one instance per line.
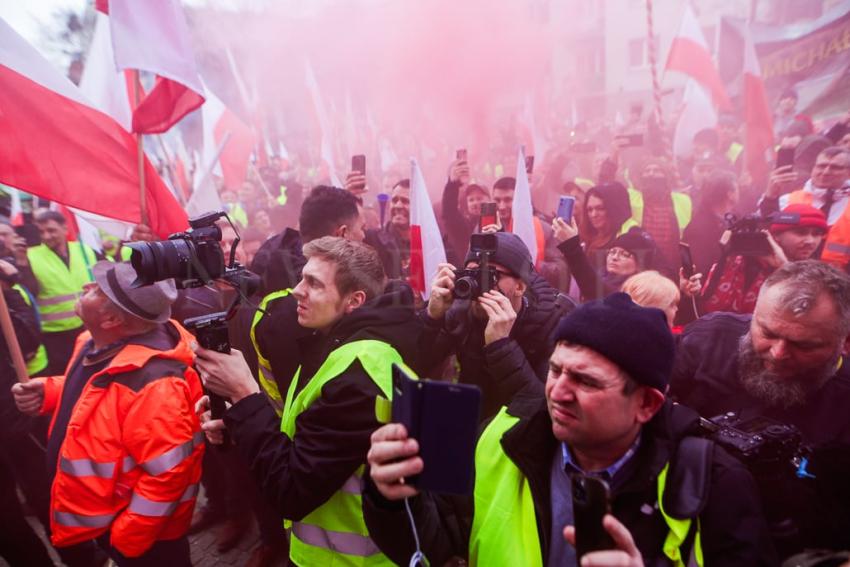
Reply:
x=640, y=244
x=511, y=252
x=635, y=338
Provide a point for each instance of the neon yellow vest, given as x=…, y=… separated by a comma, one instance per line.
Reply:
x=335, y=533
x=267, y=379
x=60, y=284
x=682, y=207
x=504, y=526
x=734, y=151
x=38, y=361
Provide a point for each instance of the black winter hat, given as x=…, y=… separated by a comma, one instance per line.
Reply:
x=635, y=338
x=640, y=244
x=511, y=252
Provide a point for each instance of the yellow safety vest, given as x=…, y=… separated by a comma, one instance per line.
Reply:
x=335, y=533
x=37, y=361
x=682, y=207
x=267, y=379
x=60, y=284
x=504, y=525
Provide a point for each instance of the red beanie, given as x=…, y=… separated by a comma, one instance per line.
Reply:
x=809, y=217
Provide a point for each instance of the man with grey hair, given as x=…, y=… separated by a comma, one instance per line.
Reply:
x=784, y=362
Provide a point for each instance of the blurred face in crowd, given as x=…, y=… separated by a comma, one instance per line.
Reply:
x=621, y=262
x=473, y=203
x=247, y=193
x=7, y=238
x=726, y=133
x=597, y=215
x=320, y=304
x=504, y=199
x=228, y=236
x=799, y=243
x=830, y=173
x=262, y=222
x=53, y=234
x=785, y=357
x=228, y=197
x=510, y=285
x=400, y=207
x=653, y=179
x=587, y=402
x=787, y=105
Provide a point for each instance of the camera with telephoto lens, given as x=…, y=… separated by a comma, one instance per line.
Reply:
x=470, y=283
x=194, y=258
x=759, y=442
x=748, y=236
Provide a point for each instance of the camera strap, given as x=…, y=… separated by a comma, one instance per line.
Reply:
x=689, y=479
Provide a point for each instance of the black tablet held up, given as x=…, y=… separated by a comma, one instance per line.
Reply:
x=443, y=418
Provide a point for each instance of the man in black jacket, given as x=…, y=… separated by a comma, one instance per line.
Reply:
x=501, y=339
x=339, y=397
x=604, y=415
x=784, y=363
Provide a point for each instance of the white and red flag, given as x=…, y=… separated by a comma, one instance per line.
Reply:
x=757, y=116
x=153, y=36
x=522, y=213
x=697, y=113
x=689, y=54
x=426, y=243
x=228, y=142
x=58, y=146
x=106, y=87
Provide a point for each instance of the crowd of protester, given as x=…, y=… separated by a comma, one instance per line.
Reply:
x=676, y=291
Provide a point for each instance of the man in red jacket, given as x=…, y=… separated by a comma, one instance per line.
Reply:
x=124, y=449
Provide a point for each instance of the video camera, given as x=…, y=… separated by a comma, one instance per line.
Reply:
x=194, y=258
x=471, y=283
x=748, y=236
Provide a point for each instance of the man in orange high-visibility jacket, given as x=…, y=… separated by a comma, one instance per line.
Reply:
x=125, y=445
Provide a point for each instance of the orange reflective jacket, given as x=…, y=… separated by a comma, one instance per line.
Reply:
x=131, y=459
x=836, y=250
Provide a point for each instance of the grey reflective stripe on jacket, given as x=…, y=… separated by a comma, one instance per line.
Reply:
x=141, y=505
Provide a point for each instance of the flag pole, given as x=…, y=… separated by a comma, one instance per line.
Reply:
x=12, y=342
x=143, y=205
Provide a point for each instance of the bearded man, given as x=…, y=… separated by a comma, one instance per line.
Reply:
x=783, y=362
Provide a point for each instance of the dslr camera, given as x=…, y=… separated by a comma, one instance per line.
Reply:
x=471, y=283
x=748, y=236
x=759, y=442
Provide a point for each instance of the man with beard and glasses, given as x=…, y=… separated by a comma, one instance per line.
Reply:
x=783, y=362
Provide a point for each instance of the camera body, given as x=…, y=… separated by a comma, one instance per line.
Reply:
x=759, y=442
x=470, y=283
x=748, y=237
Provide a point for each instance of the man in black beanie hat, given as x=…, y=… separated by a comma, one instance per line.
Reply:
x=674, y=499
x=501, y=337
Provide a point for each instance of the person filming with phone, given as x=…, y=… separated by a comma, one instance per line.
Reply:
x=590, y=474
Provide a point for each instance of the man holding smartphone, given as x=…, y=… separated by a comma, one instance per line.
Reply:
x=604, y=415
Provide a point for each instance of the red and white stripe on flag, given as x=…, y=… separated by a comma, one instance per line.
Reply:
x=153, y=36
x=426, y=244
x=522, y=213
x=757, y=114
x=58, y=146
x=689, y=54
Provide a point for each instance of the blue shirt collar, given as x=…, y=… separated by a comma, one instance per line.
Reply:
x=570, y=465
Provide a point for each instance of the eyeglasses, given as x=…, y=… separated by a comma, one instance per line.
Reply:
x=620, y=253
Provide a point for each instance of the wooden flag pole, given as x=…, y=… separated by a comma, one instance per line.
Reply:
x=143, y=204
x=12, y=342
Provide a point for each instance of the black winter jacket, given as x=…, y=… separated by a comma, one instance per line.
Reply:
x=332, y=435
x=733, y=530
x=13, y=422
x=506, y=366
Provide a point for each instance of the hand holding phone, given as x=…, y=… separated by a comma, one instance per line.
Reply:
x=686, y=259
x=591, y=502
x=489, y=212
x=358, y=164
x=566, y=204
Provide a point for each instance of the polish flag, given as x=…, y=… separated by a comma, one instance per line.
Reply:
x=109, y=89
x=426, y=244
x=697, y=113
x=531, y=135
x=153, y=36
x=522, y=213
x=231, y=159
x=689, y=54
x=58, y=146
x=321, y=114
x=757, y=115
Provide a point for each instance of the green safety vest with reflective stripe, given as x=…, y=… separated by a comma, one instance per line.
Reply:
x=37, y=362
x=504, y=525
x=734, y=152
x=335, y=533
x=682, y=207
x=267, y=379
x=60, y=284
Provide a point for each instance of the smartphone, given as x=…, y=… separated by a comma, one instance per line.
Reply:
x=529, y=164
x=358, y=164
x=489, y=213
x=566, y=204
x=460, y=155
x=591, y=501
x=443, y=418
x=631, y=140
x=784, y=157
x=583, y=147
x=686, y=259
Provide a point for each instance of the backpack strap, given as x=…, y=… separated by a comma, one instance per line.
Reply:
x=689, y=480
